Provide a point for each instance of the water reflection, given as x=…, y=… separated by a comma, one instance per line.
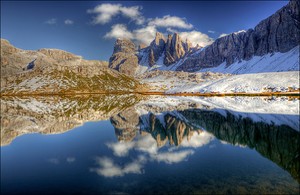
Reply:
x=165, y=131
x=52, y=115
x=197, y=127
x=149, y=151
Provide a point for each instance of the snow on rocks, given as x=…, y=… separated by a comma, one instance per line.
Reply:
x=246, y=83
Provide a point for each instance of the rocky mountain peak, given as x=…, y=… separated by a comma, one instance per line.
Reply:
x=188, y=45
x=124, y=58
x=175, y=49
x=165, y=50
x=156, y=48
x=159, y=39
x=124, y=45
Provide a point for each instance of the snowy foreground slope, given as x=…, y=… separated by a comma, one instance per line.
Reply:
x=248, y=83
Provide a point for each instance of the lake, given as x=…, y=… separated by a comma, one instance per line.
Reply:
x=130, y=144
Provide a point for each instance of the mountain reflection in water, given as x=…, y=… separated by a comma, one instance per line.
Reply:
x=163, y=129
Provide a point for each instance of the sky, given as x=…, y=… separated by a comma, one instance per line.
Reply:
x=90, y=28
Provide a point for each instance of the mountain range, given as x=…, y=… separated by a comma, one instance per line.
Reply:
x=278, y=33
x=167, y=63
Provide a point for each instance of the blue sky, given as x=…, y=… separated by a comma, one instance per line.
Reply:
x=90, y=28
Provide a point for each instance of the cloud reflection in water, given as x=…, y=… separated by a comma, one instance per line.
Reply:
x=148, y=151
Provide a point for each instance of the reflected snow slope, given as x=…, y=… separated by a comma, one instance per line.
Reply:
x=49, y=115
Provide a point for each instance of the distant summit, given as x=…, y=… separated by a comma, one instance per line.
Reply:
x=161, y=50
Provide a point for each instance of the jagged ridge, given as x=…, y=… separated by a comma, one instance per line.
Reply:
x=278, y=33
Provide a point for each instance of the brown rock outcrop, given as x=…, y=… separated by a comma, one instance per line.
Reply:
x=124, y=58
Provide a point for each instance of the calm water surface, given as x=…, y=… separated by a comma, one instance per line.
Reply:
x=106, y=145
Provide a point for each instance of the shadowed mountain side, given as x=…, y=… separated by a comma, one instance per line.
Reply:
x=277, y=33
x=52, y=115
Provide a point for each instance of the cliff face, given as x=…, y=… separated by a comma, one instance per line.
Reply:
x=156, y=48
x=277, y=33
x=127, y=59
x=124, y=58
x=175, y=49
x=57, y=71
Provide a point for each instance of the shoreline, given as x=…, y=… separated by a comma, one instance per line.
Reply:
x=297, y=94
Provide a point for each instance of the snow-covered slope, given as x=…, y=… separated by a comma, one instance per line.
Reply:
x=276, y=62
x=249, y=83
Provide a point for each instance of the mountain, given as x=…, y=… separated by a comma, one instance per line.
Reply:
x=272, y=46
x=166, y=51
x=124, y=59
x=277, y=33
x=53, y=71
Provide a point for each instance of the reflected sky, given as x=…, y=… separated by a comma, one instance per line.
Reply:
x=184, y=151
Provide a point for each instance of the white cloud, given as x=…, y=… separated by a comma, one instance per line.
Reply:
x=119, y=31
x=54, y=161
x=133, y=13
x=223, y=35
x=141, y=35
x=105, y=12
x=172, y=157
x=145, y=35
x=196, y=37
x=198, y=140
x=171, y=30
x=170, y=21
x=146, y=144
x=70, y=159
x=109, y=169
x=211, y=31
x=69, y=22
x=51, y=21
x=121, y=148
x=149, y=152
